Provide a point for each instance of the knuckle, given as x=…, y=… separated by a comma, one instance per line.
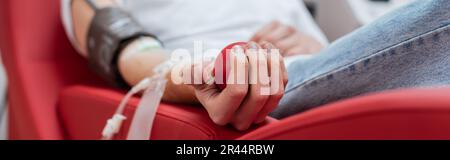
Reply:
x=199, y=87
x=264, y=44
x=286, y=80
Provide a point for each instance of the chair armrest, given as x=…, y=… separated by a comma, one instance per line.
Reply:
x=83, y=111
x=403, y=114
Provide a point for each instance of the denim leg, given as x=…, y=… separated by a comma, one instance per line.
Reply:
x=408, y=48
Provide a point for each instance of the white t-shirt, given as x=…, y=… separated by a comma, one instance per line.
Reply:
x=215, y=23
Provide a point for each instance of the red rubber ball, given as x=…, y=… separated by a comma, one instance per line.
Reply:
x=223, y=61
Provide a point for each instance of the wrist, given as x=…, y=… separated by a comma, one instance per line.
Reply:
x=138, y=57
x=141, y=45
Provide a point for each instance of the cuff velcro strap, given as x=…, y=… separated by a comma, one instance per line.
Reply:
x=110, y=29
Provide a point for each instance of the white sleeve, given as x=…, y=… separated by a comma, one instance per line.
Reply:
x=310, y=26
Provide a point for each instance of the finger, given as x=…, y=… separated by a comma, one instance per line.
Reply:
x=254, y=101
x=238, y=73
x=278, y=34
x=284, y=72
x=208, y=73
x=287, y=43
x=265, y=30
x=313, y=46
x=274, y=51
x=309, y=45
x=277, y=82
x=297, y=50
x=198, y=73
x=222, y=105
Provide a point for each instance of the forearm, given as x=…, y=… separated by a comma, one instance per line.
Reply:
x=133, y=66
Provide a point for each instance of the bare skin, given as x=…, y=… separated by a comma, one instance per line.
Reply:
x=287, y=39
x=240, y=105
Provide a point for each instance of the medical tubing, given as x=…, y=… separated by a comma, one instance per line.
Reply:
x=114, y=124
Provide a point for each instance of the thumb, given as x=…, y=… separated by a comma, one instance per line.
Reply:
x=202, y=74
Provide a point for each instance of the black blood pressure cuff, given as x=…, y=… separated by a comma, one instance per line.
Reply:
x=110, y=31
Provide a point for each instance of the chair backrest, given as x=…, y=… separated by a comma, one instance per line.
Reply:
x=39, y=62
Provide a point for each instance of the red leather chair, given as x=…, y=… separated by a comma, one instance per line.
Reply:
x=53, y=95
x=412, y=114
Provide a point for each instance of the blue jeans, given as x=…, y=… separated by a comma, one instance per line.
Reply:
x=405, y=49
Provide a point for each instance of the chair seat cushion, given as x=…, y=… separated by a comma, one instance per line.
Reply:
x=415, y=114
x=83, y=111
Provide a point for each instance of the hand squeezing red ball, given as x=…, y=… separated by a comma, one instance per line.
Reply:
x=242, y=104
